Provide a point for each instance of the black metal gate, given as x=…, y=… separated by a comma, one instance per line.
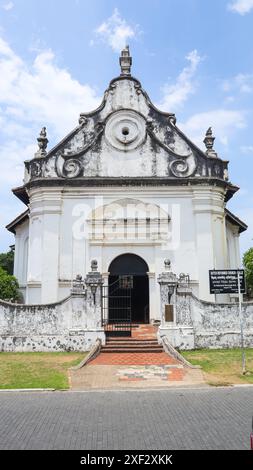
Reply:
x=116, y=306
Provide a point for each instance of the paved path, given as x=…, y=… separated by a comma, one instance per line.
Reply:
x=107, y=377
x=116, y=370
x=165, y=419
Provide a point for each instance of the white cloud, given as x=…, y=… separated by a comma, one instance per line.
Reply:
x=8, y=6
x=116, y=32
x=247, y=149
x=42, y=93
x=12, y=167
x=242, y=83
x=174, y=95
x=32, y=96
x=226, y=85
x=241, y=6
x=229, y=99
x=224, y=123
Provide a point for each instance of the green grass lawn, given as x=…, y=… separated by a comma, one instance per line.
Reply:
x=222, y=366
x=37, y=370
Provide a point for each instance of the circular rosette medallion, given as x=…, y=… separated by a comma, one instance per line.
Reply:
x=125, y=130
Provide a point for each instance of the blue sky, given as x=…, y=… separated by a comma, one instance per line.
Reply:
x=193, y=57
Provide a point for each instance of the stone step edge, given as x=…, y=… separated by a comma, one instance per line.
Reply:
x=132, y=349
x=94, y=352
x=131, y=340
x=139, y=347
x=137, y=351
x=172, y=352
x=126, y=338
x=135, y=344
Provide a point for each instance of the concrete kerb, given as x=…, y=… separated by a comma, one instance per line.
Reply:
x=29, y=390
x=168, y=389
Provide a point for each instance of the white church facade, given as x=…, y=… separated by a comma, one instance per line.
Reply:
x=128, y=189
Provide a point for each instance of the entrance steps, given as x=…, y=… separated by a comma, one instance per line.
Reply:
x=131, y=345
x=139, y=349
x=143, y=340
x=137, y=361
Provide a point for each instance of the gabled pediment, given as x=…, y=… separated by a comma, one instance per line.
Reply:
x=126, y=136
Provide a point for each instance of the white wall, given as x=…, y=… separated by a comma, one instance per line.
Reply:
x=60, y=246
x=233, y=250
x=73, y=324
x=21, y=255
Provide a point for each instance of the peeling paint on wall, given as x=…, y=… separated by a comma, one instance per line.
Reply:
x=200, y=324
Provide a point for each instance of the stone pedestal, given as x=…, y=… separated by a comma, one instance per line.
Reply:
x=168, y=282
x=86, y=307
x=176, y=321
x=93, y=283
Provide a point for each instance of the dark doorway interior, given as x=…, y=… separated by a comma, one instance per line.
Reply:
x=135, y=268
x=140, y=299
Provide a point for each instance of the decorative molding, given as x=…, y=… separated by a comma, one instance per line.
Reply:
x=151, y=275
x=71, y=168
x=125, y=130
x=202, y=183
x=183, y=168
x=34, y=284
x=125, y=61
x=128, y=242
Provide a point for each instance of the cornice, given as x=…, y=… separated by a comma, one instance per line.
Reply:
x=128, y=182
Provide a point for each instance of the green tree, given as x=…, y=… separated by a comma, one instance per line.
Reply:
x=248, y=265
x=9, y=288
x=7, y=261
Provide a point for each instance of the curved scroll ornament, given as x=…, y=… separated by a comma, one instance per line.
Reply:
x=183, y=167
x=82, y=120
x=172, y=119
x=68, y=167
x=71, y=168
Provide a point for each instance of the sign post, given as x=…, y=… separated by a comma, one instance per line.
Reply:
x=230, y=281
x=225, y=281
x=241, y=323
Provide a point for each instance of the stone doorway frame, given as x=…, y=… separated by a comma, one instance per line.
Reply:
x=145, y=272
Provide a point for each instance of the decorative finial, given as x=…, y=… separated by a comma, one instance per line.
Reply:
x=209, y=141
x=42, y=143
x=167, y=264
x=94, y=265
x=125, y=61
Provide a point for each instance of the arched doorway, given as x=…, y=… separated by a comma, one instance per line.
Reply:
x=131, y=271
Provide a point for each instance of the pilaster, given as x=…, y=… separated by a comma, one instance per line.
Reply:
x=208, y=209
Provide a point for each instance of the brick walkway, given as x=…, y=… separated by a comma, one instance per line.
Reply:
x=140, y=332
x=141, y=359
x=117, y=370
x=144, y=332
